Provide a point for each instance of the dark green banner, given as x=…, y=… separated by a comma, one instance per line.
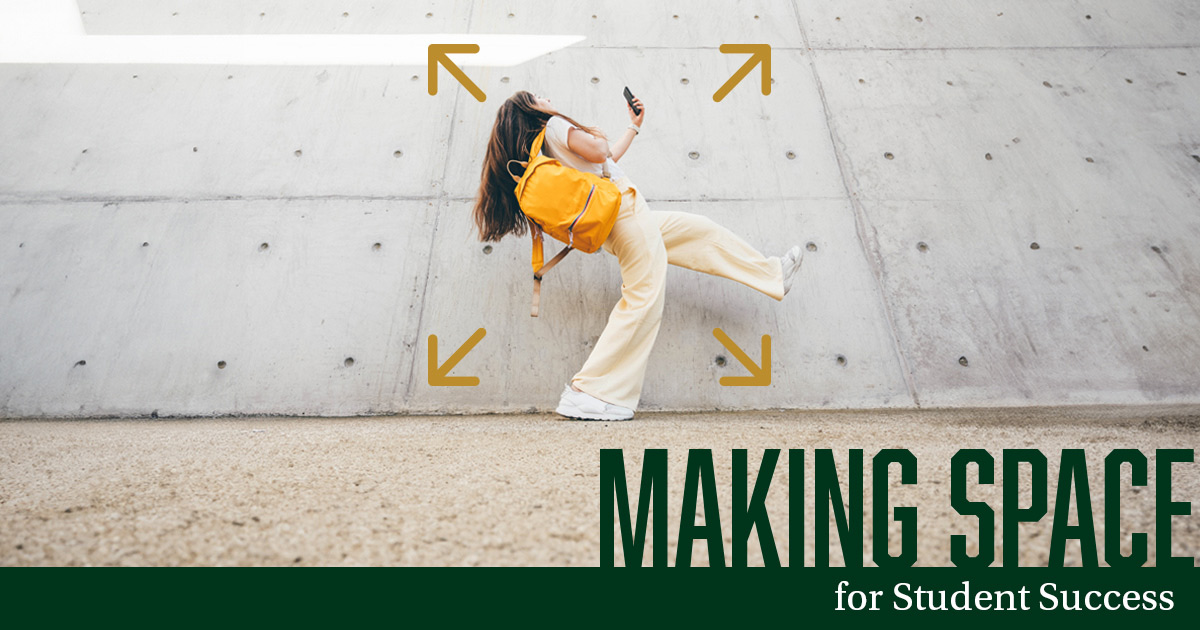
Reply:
x=591, y=597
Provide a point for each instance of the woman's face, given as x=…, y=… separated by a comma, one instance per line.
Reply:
x=542, y=101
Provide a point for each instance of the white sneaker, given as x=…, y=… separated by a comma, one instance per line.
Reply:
x=791, y=266
x=581, y=406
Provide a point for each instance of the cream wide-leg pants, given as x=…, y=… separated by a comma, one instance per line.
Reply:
x=645, y=242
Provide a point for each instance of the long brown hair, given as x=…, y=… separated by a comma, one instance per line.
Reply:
x=519, y=120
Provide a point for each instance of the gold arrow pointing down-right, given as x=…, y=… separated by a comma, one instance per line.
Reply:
x=760, y=376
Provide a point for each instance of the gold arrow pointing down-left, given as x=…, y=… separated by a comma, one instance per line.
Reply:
x=439, y=375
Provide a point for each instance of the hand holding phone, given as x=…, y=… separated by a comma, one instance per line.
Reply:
x=637, y=112
x=629, y=99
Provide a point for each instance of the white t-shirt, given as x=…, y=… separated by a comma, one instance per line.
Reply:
x=555, y=146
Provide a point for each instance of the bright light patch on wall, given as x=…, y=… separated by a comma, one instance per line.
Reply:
x=51, y=31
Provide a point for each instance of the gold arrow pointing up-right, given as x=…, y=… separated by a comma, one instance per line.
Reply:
x=759, y=53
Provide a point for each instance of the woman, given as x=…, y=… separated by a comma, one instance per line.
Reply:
x=609, y=384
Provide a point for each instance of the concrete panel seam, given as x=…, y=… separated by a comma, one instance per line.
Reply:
x=870, y=253
x=109, y=199
x=916, y=48
x=1004, y=48
x=133, y=199
x=437, y=219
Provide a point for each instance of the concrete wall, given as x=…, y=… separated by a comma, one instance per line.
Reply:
x=135, y=202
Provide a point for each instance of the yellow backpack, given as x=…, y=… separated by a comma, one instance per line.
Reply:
x=574, y=207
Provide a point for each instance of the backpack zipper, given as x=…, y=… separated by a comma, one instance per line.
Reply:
x=571, y=230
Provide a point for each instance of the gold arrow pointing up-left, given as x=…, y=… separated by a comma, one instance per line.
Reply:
x=437, y=54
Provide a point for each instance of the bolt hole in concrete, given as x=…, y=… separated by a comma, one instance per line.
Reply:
x=348, y=362
x=85, y=151
x=345, y=15
x=684, y=81
x=962, y=361
x=195, y=149
x=1016, y=141
x=922, y=247
x=595, y=79
x=1090, y=160
x=428, y=15
x=694, y=155
x=889, y=156
x=397, y=153
x=811, y=246
x=145, y=244
x=720, y=361
x=298, y=153
x=377, y=246
x=1047, y=84
x=1129, y=81
x=487, y=249
x=415, y=78
x=987, y=156
x=80, y=363
x=1156, y=249
x=950, y=83
x=220, y=365
x=791, y=155
x=263, y=247
x=1034, y=245
x=841, y=360
x=1145, y=348
x=504, y=79
x=919, y=19
x=511, y=15
x=861, y=81
x=1088, y=17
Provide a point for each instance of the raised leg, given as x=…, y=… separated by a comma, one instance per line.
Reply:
x=696, y=242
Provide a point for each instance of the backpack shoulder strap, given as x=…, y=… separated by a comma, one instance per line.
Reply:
x=536, y=147
x=540, y=268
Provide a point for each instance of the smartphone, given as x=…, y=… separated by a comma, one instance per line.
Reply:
x=629, y=99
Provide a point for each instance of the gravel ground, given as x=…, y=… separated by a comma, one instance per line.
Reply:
x=507, y=490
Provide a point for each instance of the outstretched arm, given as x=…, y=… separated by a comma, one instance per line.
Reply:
x=622, y=145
